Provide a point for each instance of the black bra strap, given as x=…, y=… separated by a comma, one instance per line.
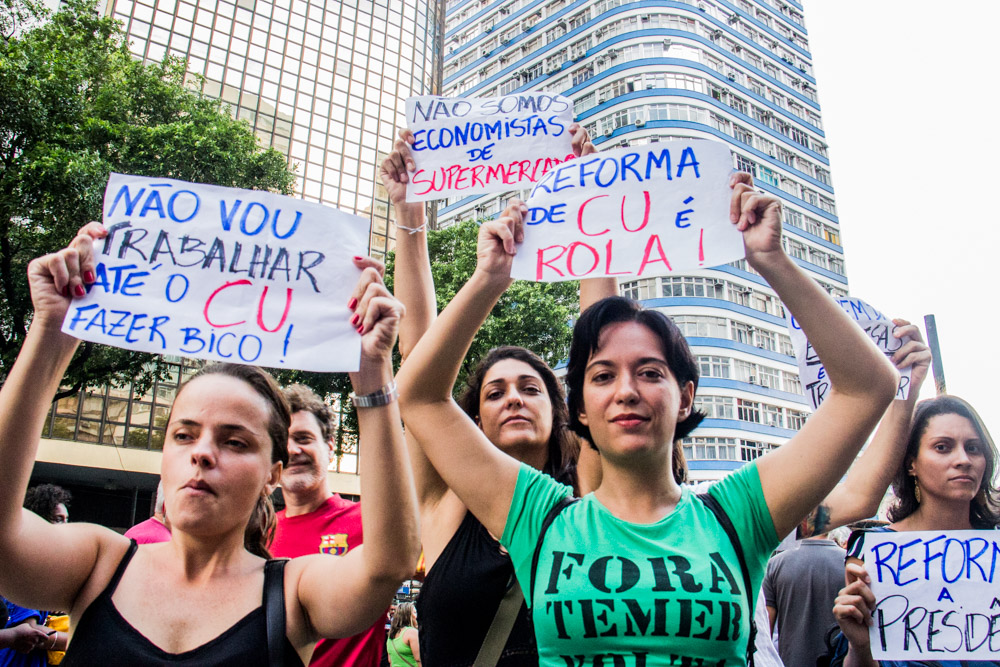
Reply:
x=274, y=610
x=117, y=576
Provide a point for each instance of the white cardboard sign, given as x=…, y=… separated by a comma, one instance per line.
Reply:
x=467, y=146
x=938, y=594
x=880, y=328
x=643, y=211
x=223, y=274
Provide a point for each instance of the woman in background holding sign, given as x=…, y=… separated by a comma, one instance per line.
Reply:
x=641, y=572
x=518, y=403
x=210, y=596
x=944, y=483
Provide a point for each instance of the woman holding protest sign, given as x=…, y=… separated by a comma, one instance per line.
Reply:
x=622, y=576
x=517, y=401
x=210, y=596
x=945, y=482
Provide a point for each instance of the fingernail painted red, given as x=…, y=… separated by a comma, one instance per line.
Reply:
x=361, y=329
x=88, y=276
x=78, y=290
x=353, y=302
x=357, y=258
x=354, y=320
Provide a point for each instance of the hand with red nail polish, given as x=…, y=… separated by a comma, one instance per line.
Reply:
x=55, y=279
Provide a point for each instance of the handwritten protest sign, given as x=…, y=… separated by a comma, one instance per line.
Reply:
x=813, y=375
x=469, y=146
x=223, y=274
x=643, y=211
x=938, y=594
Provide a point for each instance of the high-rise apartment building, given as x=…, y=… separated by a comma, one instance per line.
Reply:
x=322, y=81
x=641, y=71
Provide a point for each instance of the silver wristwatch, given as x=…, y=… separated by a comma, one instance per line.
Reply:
x=383, y=396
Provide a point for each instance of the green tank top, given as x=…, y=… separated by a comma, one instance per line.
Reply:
x=400, y=654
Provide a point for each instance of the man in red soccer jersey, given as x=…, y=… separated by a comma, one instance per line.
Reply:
x=316, y=520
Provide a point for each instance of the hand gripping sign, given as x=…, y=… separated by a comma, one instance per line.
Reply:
x=468, y=146
x=223, y=274
x=880, y=328
x=938, y=594
x=645, y=211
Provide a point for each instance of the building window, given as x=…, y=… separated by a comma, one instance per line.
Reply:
x=702, y=326
x=715, y=407
x=750, y=450
x=768, y=176
x=746, y=164
x=773, y=416
x=713, y=367
x=796, y=419
x=638, y=290
x=742, y=333
x=710, y=448
x=691, y=286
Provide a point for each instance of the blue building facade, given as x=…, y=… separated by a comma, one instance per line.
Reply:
x=644, y=71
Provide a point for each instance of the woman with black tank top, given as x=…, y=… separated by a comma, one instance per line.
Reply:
x=518, y=403
x=209, y=596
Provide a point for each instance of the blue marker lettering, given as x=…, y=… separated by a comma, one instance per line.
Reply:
x=172, y=201
x=130, y=203
x=246, y=214
x=246, y=357
x=170, y=281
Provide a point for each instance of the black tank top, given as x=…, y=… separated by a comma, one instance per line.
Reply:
x=103, y=637
x=459, y=599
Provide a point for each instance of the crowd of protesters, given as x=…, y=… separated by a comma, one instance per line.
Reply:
x=518, y=496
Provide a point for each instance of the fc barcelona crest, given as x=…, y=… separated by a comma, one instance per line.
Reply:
x=335, y=544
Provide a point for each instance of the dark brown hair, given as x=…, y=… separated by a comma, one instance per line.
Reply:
x=260, y=529
x=982, y=515
x=303, y=399
x=562, y=450
x=682, y=364
x=43, y=499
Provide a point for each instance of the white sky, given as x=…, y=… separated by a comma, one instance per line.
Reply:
x=910, y=108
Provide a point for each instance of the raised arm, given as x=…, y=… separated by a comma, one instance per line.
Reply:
x=362, y=582
x=414, y=287
x=798, y=475
x=34, y=574
x=481, y=475
x=859, y=495
x=414, y=284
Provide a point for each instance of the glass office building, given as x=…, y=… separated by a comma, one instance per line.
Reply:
x=321, y=81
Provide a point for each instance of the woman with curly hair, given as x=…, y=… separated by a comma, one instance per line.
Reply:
x=49, y=502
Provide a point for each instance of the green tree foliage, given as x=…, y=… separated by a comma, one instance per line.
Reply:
x=532, y=315
x=74, y=107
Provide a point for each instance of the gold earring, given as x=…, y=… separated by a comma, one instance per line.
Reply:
x=916, y=489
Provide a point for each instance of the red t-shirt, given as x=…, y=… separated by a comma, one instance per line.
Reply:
x=334, y=528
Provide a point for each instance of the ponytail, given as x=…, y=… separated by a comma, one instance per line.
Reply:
x=678, y=464
x=259, y=532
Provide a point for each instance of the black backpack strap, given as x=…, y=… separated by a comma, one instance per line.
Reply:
x=549, y=518
x=727, y=525
x=274, y=610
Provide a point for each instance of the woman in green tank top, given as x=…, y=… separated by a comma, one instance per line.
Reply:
x=402, y=644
